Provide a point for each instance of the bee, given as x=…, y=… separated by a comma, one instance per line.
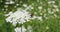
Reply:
x=32, y=14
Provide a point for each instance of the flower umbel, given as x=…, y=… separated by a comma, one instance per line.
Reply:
x=20, y=16
x=20, y=29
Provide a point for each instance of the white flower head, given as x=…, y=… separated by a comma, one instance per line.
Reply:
x=18, y=17
x=57, y=9
x=20, y=29
x=34, y=17
x=9, y=13
x=55, y=6
x=29, y=7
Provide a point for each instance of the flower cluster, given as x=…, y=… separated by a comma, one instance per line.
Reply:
x=20, y=29
x=23, y=29
x=20, y=16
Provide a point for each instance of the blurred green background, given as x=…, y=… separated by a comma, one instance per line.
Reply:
x=52, y=24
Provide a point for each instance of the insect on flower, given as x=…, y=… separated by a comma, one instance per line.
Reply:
x=32, y=14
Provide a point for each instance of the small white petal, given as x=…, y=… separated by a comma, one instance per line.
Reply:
x=14, y=23
x=18, y=29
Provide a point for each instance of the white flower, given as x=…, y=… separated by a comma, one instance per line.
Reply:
x=21, y=21
x=55, y=6
x=25, y=5
x=20, y=29
x=34, y=17
x=6, y=2
x=10, y=2
x=29, y=28
x=14, y=23
x=40, y=7
x=51, y=2
x=20, y=16
x=9, y=13
x=9, y=19
x=39, y=18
